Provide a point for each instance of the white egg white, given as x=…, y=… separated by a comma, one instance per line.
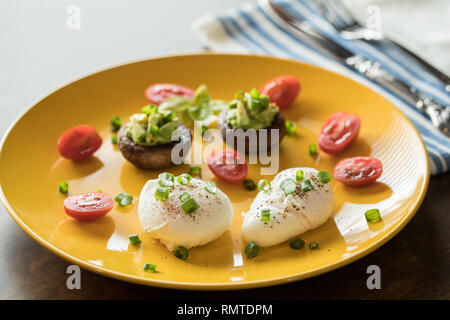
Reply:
x=166, y=220
x=290, y=215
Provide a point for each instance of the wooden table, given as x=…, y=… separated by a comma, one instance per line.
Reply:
x=415, y=264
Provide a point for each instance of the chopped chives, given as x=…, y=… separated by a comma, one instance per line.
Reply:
x=265, y=215
x=149, y=267
x=313, y=149
x=314, y=245
x=181, y=253
x=134, y=239
x=324, y=176
x=288, y=186
x=184, y=179
x=264, y=185
x=63, y=187
x=184, y=196
x=291, y=128
x=114, y=138
x=249, y=184
x=189, y=205
x=373, y=215
x=195, y=171
x=299, y=175
x=116, y=123
x=161, y=194
x=123, y=199
x=211, y=187
x=307, y=186
x=252, y=249
x=297, y=244
x=98, y=191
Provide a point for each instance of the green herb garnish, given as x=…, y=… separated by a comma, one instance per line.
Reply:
x=313, y=149
x=249, y=184
x=123, y=199
x=149, y=267
x=307, y=186
x=324, y=176
x=114, y=138
x=252, y=249
x=116, y=123
x=184, y=179
x=134, y=239
x=184, y=196
x=211, y=187
x=166, y=180
x=373, y=215
x=299, y=175
x=288, y=186
x=291, y=128
x=195, y=171
x=265, y=215
x=314, y=245
x=161, y=194
x=297, y=244
x=63, y=187
x=189, y=205
x=264, y=185
x=181, y=253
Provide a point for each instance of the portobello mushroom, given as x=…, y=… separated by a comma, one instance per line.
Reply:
x=228, y=131
x=153, y=157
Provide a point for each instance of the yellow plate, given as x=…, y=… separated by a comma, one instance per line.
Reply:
x=31, y=169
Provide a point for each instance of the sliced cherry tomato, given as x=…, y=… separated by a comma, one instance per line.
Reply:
x=339, y=132
x=88, y=206
x=157, y=93
x=228, y=165
x=282, y=90
x=79, y=142
x=358, y=171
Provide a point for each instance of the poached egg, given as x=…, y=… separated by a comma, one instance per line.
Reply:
x=167, y=221
x=290, y=215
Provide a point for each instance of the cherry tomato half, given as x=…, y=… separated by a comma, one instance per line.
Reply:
x=339, y=132
x=157, y=93
x=88, y=206
x=228, y=165
x=358, y=171
x=79, y=142
x=282, y=90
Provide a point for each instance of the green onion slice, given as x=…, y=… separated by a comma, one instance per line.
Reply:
x=288, y=186
x=373, y=215
x=98, y=191
x=204, y=129
x=313, y=149
x=249, y=184
x=299, y=175
x=134, y=239
x=252, y=249
x=63, y=187
x=123, y=199
x=314, y=245
x=184, y=196
x=184, y=179
x=161, y=194
x=116, y=123
x=264, y=185
x=265, y=215
x=189, y=205
x=149, y=267
x=291, y=128
x=181, y=253
x=307, y=186
x=195, y=171
x=166, y=180
x=211, y=187
x=297, y=244
x=114, y=138
x=324, y=176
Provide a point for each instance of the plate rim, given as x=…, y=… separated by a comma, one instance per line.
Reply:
x=217, y=285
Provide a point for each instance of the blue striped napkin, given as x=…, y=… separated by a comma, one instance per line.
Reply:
x=255, y=28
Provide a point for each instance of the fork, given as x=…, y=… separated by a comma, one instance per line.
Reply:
x=347, y=26
x=439, y=115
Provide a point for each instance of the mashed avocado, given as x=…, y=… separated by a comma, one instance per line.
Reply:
x=152, y=127
x=250, y=110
